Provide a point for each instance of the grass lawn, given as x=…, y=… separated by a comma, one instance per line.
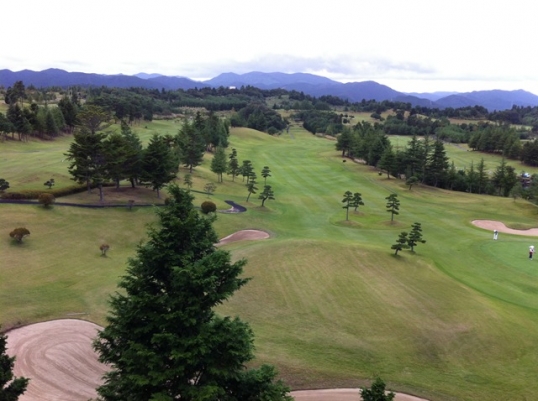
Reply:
x=329, y=302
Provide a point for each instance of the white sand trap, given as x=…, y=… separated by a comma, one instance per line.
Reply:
x=244, y=235
x=500, y=227
x=342, y=394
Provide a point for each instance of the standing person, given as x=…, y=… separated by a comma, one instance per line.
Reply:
x=495, y=234
x=531, y=251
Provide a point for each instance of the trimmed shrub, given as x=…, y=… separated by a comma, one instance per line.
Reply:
x=208, y=207
x=104, y=248
x=19, y=233
x=46, y=199
x=57, y=192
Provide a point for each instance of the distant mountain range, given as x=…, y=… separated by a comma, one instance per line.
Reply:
x=310, y=84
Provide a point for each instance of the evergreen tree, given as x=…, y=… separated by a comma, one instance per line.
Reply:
x=412, y=158
x=69, y=112
x=267, y=194
x=218, y=163
x=251, y=184
x=482, y=176
x=377, y=147
x=215, y=132
x=159, y=164
x=388, y=161
x=5, y=127
x=3, y=185
x=266, y=172
x=357, y=200
x=191, y=144
x=187, y=180
x=246, y=169
x=86, y=157
x=425, y=157
x=393, y=205
x=348, y=202
x=134, y=152
x=504, y=178
x=437, y=165
x=517, y=191
x=209, y=188
x=18, y=120
x=415, y=236
x=116, y=152
x=11, y=387
x=376, y=392
x=91, y=117
x=411, y=181
x=401, y=243
x=344, y=141
x=51, y=128
x=233, y=164
x=163, y=340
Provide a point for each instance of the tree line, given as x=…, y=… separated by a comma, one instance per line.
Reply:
x=424, y=161
x=96, y=157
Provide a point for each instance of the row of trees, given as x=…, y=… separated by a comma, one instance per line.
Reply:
x=424, y=161
x=96, y=158
x=33, y=119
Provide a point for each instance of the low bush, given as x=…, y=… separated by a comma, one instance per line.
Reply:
x=208, y=207
x=46, y=199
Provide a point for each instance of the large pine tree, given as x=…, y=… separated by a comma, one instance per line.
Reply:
x=219, y=163
x=86, y=158
x=163, y=340
x=191, y=143
x=159, y=164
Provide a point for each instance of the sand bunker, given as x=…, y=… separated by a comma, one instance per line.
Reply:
x=58, y=358
x=244, y=235
x=342, y=394
x=500, y=227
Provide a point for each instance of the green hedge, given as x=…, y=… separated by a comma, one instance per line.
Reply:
x=57, y=192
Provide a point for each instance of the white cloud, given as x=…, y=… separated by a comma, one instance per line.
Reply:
x=431, y=44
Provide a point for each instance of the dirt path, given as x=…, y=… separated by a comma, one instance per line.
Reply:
x=500, y=227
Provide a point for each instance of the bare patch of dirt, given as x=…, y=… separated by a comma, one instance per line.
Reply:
x=500, y=227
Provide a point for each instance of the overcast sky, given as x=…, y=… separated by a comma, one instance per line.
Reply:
x=409, y=45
